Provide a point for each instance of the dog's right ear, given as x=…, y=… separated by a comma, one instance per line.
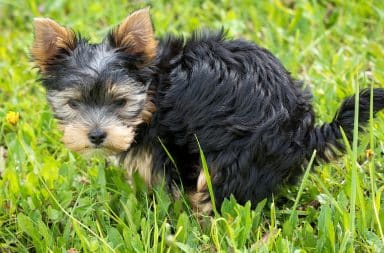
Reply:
x=50, y=38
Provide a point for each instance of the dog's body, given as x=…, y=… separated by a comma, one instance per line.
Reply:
x=129, y=95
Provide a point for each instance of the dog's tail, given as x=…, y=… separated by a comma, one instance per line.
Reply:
x=327, y=139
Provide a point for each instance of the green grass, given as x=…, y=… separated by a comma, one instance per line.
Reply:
x=52, y=200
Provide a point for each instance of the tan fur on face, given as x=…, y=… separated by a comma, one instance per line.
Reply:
x=59, y=102
x=49, y=38
x=139, y=160
x=135, y=34
x=119, y=138
x=124, y=90
x=121, y=91
x=77, y=123
x=75, y=137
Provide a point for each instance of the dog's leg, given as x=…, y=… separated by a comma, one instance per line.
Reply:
x=200, y=200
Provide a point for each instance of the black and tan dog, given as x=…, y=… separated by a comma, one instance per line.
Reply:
x=254, y=121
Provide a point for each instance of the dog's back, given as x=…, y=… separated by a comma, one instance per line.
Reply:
x=250, y=116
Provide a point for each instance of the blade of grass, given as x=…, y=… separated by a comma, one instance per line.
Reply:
x=354, y=161
x=372, y=170
x=344, y=242
x=305, y=177
x=73, y=218
x=207, y=177
x=167, y=152
x=292, y=221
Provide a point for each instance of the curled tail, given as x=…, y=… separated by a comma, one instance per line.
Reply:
x=327, y=138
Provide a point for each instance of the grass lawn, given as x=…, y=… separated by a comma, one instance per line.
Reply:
x=52, y=200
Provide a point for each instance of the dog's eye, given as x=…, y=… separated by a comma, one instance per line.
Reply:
x=120, y=102
x=73, y=103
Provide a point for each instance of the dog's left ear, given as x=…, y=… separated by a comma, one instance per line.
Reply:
x=135, y=35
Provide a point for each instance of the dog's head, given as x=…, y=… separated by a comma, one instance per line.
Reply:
x=98, y=92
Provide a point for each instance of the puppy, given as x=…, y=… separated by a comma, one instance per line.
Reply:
x=132, y=95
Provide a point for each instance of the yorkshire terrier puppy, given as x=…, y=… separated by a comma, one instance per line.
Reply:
x=255, y=123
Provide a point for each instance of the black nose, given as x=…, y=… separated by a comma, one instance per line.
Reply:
x=97, y=136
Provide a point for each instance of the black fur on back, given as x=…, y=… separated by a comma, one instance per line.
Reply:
x=254, y=121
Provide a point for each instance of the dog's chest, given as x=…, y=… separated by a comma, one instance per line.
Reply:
x=138, y=159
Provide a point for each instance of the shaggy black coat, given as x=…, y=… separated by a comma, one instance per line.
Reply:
x=255, y=123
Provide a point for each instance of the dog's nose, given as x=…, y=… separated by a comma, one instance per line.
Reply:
x=97, y=136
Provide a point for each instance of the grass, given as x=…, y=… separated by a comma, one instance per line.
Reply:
x=52, y=200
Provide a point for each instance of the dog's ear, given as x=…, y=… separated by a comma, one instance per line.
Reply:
x=50, y=38
x=135, y=35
